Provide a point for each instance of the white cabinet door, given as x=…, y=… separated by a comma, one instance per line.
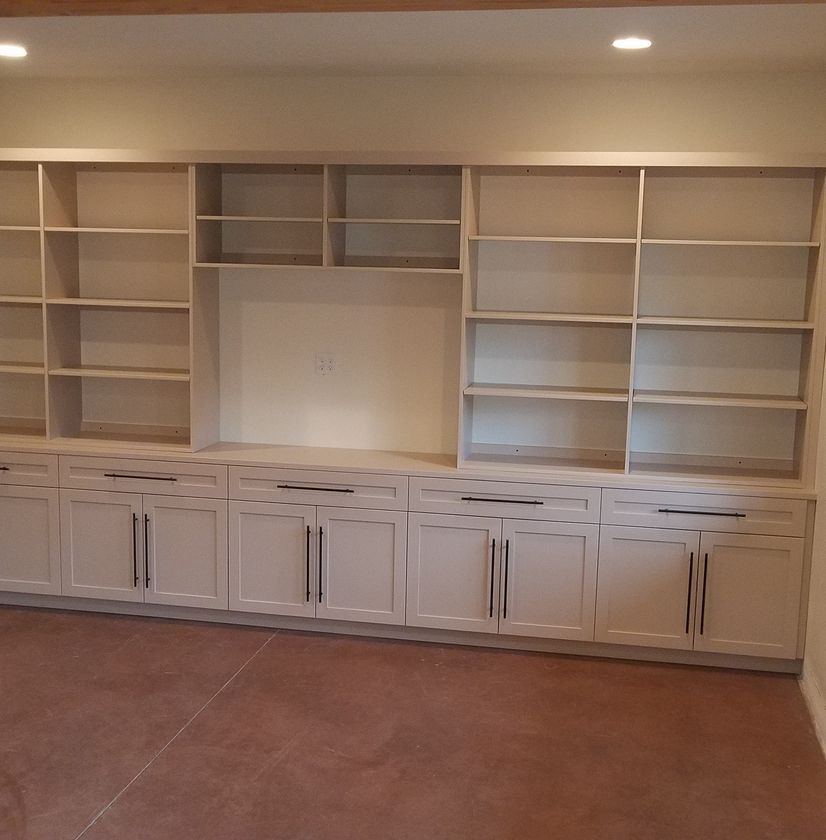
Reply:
x=453, y=572
x=272, y=558
x=30, y=533
x=101, y=544
x=361, y=575
x=549, y=579
x=186, y=551
x=749, y=595
x=647, y=586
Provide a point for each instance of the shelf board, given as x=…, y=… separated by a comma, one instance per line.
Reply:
x=22, y=367
x=119, y=303
x=539, y=462
x=20, y=228
x=420, y=265
x=724, y=323
x=279, y=219
x=153, y=231
x=732, y=468
x=22, y=300
x=595, y=240
x=113, y=372
x=546, y=392
x=116, y=440
x=733, y=400
x=368, y=221
x=264, y=261
x=736, y=243
x=548, y=317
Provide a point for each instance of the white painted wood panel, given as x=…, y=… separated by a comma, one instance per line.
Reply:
x=29, y=468
x=453, y=572
x=101, y=545
x=362, y=565
x=750, y=595
x=647, y=587
x=30, y=529
x=272, y=558
x=549, y=580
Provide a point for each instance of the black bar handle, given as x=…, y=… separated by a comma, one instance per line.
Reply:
x=688, y=603
x=703, y=608
x=309, y=532
x=492, y=570
x=139, y=477
x=507, y=563
x=135, y=547
x=146, y=550
x=315, y=489
x=4, y=469
x=320, y=561
x=502, y=501
x=701, y=513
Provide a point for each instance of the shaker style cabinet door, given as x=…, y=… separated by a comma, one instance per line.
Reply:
x=101, y=544
x=749, y=599
x=186, y=551
x=272, y=558
x=647, y=586
x=29, y=540
x=549, y=579
x=453, y=572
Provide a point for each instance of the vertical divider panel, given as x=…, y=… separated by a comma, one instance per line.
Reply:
x=43, y=308
x=335, y=206
x=634, y=313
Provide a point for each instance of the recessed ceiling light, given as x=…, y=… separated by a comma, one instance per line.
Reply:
x=632, y=43
x=12, y=51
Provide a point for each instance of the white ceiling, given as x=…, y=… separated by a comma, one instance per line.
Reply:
x=686, y=39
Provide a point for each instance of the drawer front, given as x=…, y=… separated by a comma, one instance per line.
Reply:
x=314, y=487
x=166, y=478
x=508, y=500
x=705, y=512
x=28, y=468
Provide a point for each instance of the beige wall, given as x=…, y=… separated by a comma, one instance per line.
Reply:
x=785, y=113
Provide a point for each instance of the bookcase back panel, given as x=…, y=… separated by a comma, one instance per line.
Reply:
x=438, y=243
x=23, y=398
x=402, y=193
x=135, y=403
x=19, y=262
x=19, y=201
x=21, y=334
x=248, y=241
x=283, y=192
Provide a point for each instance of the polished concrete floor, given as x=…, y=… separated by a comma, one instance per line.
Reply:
x=116, y=728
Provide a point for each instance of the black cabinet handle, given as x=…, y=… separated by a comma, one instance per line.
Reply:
x=492, y=569
x=146, y=550
x=703, y=608
x=320, y=561
x=315, y=489
x=701, y=513
x=502, y=501
x=135, y=547
x=688, y=602
x=139, y=477
x=308, y=563
x=507, y=563
x=4, y=469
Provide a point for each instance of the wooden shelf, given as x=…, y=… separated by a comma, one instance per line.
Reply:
x=138, y=438
x=548, y=317
x=22, y=367
x=723, y=323
x=264, y=261
x=612, y=462
x=587, y=240
x=421, y=265
x=351, y=221
x=152, y=231
x=119, y=303
x=734, y=243
x=546, y=392
x=22, y=300
x=679, y=465
x=34, y=228
x=112, y=372
x=270, y=219
x=731, y=400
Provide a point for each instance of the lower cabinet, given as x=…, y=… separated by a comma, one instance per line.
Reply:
x=154, y=549
x=725, y=593
x=325, y=562
x=491, y=575
x=30, y=530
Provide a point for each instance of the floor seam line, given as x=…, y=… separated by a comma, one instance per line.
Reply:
x=169, y=743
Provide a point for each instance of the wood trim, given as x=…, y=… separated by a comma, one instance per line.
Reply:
x=51, y=8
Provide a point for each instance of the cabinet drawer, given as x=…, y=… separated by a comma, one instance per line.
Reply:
x=166, y=478
x=705, y=512
x=28, y=468
x=505, y=499
x=312, y=487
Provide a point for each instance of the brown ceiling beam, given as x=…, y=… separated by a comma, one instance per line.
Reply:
x=55, y=8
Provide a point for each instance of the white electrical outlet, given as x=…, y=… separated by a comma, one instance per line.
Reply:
x=325, y=363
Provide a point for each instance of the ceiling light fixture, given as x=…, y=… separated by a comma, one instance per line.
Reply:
x=12, y=51
x=632, y=43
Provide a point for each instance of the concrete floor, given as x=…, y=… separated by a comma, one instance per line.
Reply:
x=115, y=728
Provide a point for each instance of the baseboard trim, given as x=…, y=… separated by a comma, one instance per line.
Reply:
x=815, y=697
x=401, y=633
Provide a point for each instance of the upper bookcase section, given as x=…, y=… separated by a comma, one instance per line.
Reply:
x=19, y=202
x=119, y=197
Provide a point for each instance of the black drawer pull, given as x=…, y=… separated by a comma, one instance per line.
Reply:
x=701, y=513
x=315, y=489
x=4, y=469
x=139, y=477
x=502, y=501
